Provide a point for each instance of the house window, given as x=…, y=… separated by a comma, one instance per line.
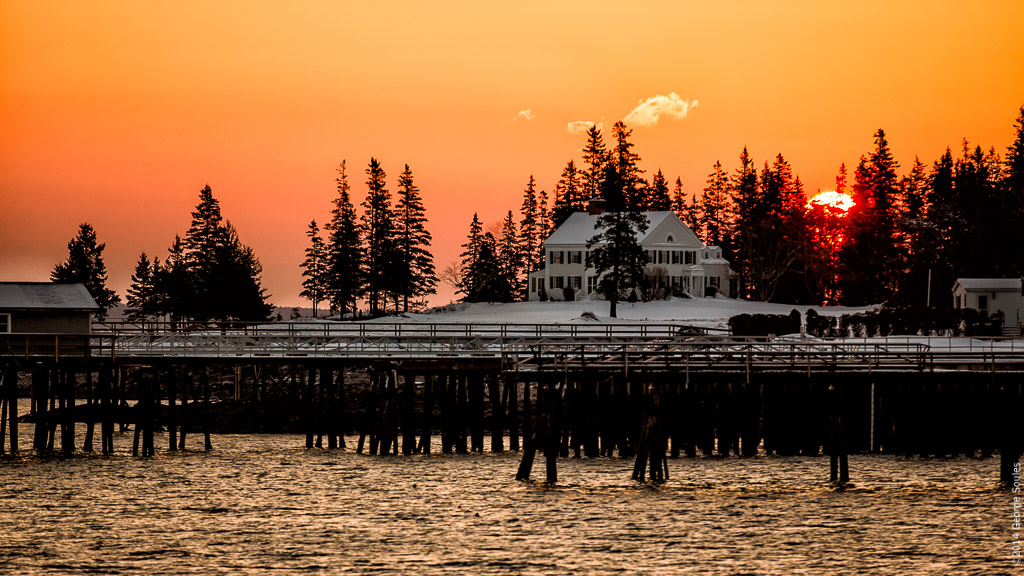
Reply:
x=714, y=280
x=575, y=257
x=675, y=257
x=983, y=302
x=556, y=257
x=691, y=257
x=589, y=260
x=591, y=284
x=670, y=238
x=556, y=282
x=575, y=282
x=5, y=323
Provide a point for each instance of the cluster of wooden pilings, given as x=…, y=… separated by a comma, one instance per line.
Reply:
x=398, y=409
x=56, y=391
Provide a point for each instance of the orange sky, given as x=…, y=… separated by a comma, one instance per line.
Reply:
x=118, y=113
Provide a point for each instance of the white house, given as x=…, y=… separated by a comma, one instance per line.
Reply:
x=677, y=261
x=993, y=295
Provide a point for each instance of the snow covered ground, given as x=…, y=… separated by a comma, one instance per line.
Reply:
x=703, y=312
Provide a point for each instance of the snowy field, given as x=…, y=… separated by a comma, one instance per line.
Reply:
x=703, y=312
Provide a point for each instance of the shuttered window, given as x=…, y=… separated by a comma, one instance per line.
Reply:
x=5, y=323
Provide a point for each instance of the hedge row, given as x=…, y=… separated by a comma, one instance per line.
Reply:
x=886, y=321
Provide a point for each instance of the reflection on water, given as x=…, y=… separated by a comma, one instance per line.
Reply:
x=260, y=502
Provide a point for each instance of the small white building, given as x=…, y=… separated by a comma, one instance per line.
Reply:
x=993, y=295
x=677, y=261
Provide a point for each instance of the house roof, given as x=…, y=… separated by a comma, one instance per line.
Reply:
x=45, y=296
x=579, y=228
x=989, y=284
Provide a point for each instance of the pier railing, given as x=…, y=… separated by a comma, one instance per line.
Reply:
x=528, y=347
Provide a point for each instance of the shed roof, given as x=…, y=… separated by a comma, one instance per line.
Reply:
x=989, y=284
x=579, y=228
x=45, y=296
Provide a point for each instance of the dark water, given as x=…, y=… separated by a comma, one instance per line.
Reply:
x=260, y=504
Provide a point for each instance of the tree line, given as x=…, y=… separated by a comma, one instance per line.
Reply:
x=207, y=275
x=960, y=216
x=904, y=241
x=381, y=257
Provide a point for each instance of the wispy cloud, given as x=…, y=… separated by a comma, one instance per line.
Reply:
x=524, y=115
x=649, y=111
x=581, y=126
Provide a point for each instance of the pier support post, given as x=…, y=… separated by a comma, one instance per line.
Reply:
x=839, y=470
x=1009, y=444
x=172, y=409
x=204, y=381
x=90, y=407
x=427, y=426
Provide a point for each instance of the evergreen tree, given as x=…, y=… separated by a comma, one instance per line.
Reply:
x=481, y=277
x=344, y=250
x=509, y=258
x=1013, y=189
x=414, y=274
x=871, y=258
x=568, y=197
x=743, y=187
x=530, y=239
x=240, y=294
x=217, y=277
x=378, y=227
x=594, y=156
x=85, y=265
x=771, y=233
x=172, y=283
x=693, y=216
x=679, y=199
x=627, y=166
x=715, y=219
x=314, y=268
x=141, y=298
x=658, y=199
x=618, y=259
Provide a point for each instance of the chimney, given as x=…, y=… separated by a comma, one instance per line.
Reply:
x=596, y=205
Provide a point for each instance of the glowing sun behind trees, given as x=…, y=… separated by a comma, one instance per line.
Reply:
x=826, y=227
x=836, y=200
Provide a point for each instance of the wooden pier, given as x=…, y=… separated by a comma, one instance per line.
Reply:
x=637, y=391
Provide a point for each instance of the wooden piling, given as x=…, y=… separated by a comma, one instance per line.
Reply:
x=308, y=379
x=186, y=385
x=204, y=382
x=172, y=409
x=67, y=411
x=498, y=400
x=839, y=471
x=1009, y=432
x=89, y=412
x=408, y=403
x=427, y=421
x=107, y=405
x=511, y=391
x=475, y=390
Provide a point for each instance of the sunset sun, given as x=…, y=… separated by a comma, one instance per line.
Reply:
x=836, y=200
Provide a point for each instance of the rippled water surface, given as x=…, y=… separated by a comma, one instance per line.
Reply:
x=260, y=503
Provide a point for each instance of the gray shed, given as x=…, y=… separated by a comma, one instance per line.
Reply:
x=45, y=308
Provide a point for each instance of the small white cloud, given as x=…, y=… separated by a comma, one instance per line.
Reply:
x=581, y=126
x=649, y=111
x=524, y=115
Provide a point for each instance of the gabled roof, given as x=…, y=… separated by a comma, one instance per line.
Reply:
x=989, y=284
x=579, y=228
x=45, y=296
